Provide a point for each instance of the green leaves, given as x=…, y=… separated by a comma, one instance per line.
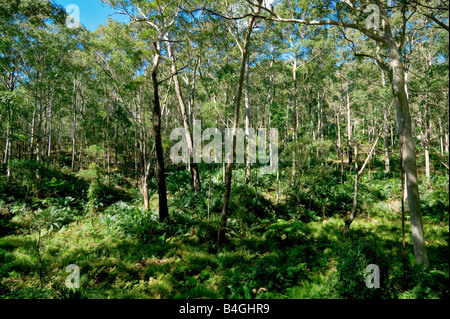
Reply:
x=289, y=232
x=352, y=262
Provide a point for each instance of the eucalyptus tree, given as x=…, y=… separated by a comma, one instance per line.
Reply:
x=307, y=48
x=387, y=26
x=43, y=65
x=157, y=20
x=10, y=72
x=270, y=43
x=18, y=20
x=435, y=10
x=185, y=117
x=227, y=13
x=114, y=52
x=429, y=88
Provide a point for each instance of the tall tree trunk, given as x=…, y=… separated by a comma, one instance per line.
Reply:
x=7, y=155
x=397, y=78
x=426, y=119
x=7, y=158
x=193, y=166
x=387, y=161
x=320, y=117
x=441, y=136
x=320, y=128
x=352, y=215
x=402, y=174
x=116, y=130
x=426, y=139
x=80, y=155
x=144, y=158
x=32, y=134
x=135, y=158
x=10, y=87
x=159, y=167
x=446, y=138
x=339, y=142
x=229, y=168
x=144, y=183
x=270, y=96
x=38, y=132
x=108, y=151
x=247, y=120
x=349, y=128
x=294, y=118
x=50, y=132
x=74, y=127
x=392, y=134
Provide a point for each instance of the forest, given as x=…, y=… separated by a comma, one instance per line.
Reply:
x=129, y=167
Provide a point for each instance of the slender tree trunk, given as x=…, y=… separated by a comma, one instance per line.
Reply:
x=108, y=151
x=159, y=167
x=349, y=129
x=135, y=158
x=392, y=134
x=209, y=190
x=247, y=120
x=320, y=128
x=426, y=140
x=144, y=183
x=32, y=138
x=294, y=119
x=194, y=84
x=145, y=159
x=402, y=174
x=80, y=155
x=387, y=161
x=193, y=166
x=446, y=135
x=7, y=158
x=339, y=142
x=426, y=120
x=229, y=168
x=352, y=215
x=271, y=90
x=441, y=136
x=320, y=117
x=74, y=127
x=286, y=135
x=10, y=86
x=50, y=132
x=38, y=132
x=278, y=167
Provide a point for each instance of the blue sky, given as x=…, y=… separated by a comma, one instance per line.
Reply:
x=92, y=12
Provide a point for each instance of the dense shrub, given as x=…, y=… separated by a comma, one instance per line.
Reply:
x=132, y=221
x=435, y=203
x=318, y=198
x=30, y=178
x=351, y=271
x=428, y=284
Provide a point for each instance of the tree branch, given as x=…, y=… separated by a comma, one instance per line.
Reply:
x=173, y=74
x=368, y=156
x=275, y=17
x=439, y=23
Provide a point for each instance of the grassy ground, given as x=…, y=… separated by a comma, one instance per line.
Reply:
x=272, y=251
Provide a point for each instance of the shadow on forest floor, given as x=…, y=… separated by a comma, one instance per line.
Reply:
x=283, y=259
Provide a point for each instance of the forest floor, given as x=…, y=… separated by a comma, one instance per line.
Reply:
x=293, y=249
